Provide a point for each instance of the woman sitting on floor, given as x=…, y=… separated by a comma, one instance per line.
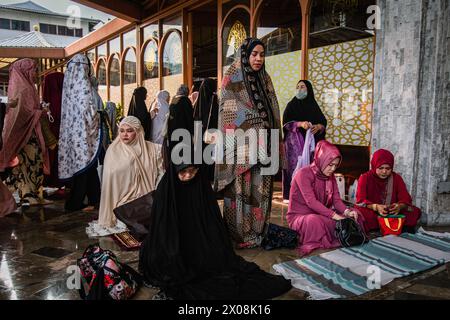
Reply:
x=132, y=169
x=315, y=204
x=382, y=191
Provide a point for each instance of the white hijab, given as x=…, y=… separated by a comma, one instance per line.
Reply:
x=160, y=118
x=79, y=139
x=129, y=171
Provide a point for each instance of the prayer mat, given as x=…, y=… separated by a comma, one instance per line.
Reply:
x=126, y=241
x=349, y=272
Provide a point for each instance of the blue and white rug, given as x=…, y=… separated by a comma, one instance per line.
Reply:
x=348, y=272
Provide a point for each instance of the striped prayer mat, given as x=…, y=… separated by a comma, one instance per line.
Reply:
x=349, y=272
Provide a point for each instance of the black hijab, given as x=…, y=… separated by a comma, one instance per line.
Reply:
x=305, y=110
x=138, y=109
x=207, y=103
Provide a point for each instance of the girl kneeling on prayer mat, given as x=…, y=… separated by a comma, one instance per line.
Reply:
x=315, y=204
x=381, y=191
x=132, y=169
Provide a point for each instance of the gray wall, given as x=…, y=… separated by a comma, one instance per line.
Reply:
x=411, y=98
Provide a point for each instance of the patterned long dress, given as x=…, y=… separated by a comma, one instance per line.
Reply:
x=248, y=101
x=28, y=177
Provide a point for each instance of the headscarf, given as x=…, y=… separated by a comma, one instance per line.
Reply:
x=183, y=90
x=207, y=104
x=129, y=172
x=80, y=133
x=248, y=100
x=373, y=189
x=324, y=154
x=160, y=118
x=305, y=110
x=138, y=109
x=23, y=119
x=52, y=93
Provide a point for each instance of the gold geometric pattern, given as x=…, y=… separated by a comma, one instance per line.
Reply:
x=284, y=70
x=342, y=78
x=237, y=35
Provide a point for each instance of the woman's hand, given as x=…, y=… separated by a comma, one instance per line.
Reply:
x=381, y=209
x=187, y=174
x=317, y=128
x=304, y=124
x=337, y=217
x=395, y=208
x=351, y=214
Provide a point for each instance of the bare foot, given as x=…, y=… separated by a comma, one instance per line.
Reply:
x=88, y=209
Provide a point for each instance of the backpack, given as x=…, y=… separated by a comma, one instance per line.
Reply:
x=103, y=277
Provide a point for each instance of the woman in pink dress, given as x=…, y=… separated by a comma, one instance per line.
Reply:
x=315, y=204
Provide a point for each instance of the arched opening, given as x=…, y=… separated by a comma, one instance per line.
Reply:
x=236, y=29
x=172, y=62
x=101, y=76
x=129, y=74
x=150, y=65
x=114, y=79
x=282, y=36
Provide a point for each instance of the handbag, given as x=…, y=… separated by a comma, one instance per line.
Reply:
x=349, y=233
x=103, y=277
x=136, y=215
x=208, y=137
x=391, y=224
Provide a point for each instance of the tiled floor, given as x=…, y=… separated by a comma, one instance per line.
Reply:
x=39, y=244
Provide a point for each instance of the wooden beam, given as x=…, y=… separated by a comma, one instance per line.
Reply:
x=121, y=9
x=305, y=6
x=55, y=53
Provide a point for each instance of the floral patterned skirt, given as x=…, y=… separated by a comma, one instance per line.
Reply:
x=27, y=178
x=247, y=206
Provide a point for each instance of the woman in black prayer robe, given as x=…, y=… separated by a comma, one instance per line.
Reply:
x=138, y=109
x=206, y=110
x=301, y=113
x=188, y=253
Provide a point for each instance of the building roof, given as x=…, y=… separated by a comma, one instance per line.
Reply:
x=36, y=39
x=30, y=6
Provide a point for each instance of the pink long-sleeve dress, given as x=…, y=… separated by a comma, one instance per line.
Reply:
x=314, y=199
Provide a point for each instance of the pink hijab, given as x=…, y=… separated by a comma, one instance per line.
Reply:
x=324, y=154
x=21, y=120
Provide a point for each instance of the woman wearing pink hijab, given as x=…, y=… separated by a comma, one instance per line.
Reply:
x=315, y=204
x=22, y=135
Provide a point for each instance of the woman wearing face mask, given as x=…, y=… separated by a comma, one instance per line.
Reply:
x=248, y=102
x=132, y=169
x=381, y=191
x=315, y=204
x=301, y=114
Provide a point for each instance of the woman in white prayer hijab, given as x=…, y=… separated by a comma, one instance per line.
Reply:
x=132, y=169
x=159, y=112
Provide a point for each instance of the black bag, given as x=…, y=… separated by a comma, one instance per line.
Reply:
x=279, y=237
x=349, y=233
x=136, y=215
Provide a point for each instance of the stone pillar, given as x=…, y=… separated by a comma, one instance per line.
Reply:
x=411, y=115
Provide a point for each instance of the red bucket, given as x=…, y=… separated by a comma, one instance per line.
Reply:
x=391, y=224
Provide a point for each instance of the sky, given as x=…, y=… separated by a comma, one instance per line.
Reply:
x=60, y=6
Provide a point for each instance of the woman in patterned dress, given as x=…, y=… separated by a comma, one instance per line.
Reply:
x=248, y=102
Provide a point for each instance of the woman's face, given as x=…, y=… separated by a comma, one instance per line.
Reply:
x=331, y=168
x=384, y=171
x=301, y=86
x=257, y=57
x=127, y=134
